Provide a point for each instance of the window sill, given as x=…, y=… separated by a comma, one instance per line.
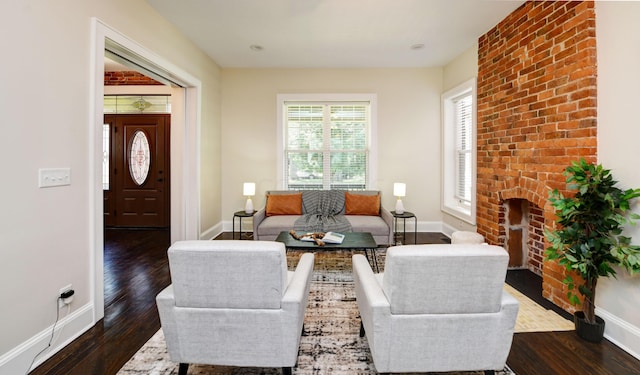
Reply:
x=460, y=213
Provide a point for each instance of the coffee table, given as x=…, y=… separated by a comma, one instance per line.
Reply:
x=352, y=241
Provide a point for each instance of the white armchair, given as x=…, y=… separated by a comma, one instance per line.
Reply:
x=437, y=308
x=234, y=303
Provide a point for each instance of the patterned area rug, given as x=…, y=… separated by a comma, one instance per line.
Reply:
x=330, y=343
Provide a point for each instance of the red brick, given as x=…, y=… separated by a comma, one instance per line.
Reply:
x=537, y=86
x=127, y=78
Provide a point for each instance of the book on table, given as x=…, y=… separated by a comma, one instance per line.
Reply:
x=333, y=237
x=329, y=237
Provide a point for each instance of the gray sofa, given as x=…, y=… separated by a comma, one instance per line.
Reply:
x=267, y=228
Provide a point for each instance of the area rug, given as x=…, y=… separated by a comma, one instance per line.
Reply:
x=534, y=318
x=330, y=343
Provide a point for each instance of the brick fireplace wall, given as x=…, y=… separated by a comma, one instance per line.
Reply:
x=536, y=95
x=127, y=78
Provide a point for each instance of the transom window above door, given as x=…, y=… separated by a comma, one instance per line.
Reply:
x=137, y=104
x=326, y=144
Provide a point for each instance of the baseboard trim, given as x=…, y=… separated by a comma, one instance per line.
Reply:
x=68, y=329
x=247, y=225
x=621, y=333
x=447, y=229
x=212, y=232
x=426, y=226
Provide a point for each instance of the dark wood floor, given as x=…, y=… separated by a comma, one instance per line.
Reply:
x=136, y=270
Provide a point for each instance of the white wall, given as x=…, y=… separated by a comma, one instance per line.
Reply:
x=460, y=69
x=408, y=129
x=618, y=40
x=45, y=91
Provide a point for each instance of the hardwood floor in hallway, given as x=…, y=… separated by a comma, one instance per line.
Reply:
x=136, y=269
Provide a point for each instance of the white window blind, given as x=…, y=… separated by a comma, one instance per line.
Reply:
x=326, y=145
x=464, y=139
x=459, y=151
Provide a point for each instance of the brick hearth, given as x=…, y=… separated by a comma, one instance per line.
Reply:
x=536, y=113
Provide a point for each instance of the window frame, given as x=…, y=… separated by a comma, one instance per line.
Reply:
x=450, y=202
x=282, y=99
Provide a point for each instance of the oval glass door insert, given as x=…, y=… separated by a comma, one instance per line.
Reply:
x=139, y=157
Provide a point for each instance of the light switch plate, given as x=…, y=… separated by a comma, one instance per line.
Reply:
x=49, y=177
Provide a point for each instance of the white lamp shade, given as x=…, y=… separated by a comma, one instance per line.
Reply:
x=399, y=189
x=249, y=189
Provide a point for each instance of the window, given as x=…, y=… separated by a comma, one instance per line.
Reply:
x=459, y=151
x=139, y=157
x=106, y=145
x=137, y=104
x=326, y=142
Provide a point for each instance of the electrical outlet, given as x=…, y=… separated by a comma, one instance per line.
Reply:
x=61, y=302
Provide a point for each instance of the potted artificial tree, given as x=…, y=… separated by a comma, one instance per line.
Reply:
x=589, y=240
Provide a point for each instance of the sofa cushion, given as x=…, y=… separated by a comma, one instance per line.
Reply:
x=359, y=204
x=372, y=224
x=273, y=225
x=284, y=204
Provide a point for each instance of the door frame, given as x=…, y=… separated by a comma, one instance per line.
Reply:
x=184, y=152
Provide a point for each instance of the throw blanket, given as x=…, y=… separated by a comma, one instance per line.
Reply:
x=323, y=208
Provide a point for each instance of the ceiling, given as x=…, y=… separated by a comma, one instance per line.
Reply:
x=334, y=33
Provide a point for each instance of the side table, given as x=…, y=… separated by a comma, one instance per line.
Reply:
x=404, y=216
x=239, y=215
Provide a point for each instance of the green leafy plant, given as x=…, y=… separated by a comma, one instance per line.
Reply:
x=589, y=238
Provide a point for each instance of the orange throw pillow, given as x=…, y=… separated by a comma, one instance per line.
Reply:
x=359, y=204
x=284, y=204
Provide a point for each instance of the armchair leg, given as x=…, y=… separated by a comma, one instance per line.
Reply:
x=182, y=369
x=286, y=371
x=361, y=329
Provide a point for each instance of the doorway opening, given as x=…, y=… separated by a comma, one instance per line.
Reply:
x=136, y=149
x=183, y=135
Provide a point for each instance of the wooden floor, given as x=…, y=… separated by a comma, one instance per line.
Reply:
x=136, y=269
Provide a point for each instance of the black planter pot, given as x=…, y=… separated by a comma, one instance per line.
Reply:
x=588, y=331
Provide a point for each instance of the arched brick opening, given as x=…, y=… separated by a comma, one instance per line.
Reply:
x=524, y=222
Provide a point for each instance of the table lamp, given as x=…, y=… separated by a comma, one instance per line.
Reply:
x=399, y=190
x=249, y=190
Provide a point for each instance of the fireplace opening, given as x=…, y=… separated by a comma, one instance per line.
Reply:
x=523, y=229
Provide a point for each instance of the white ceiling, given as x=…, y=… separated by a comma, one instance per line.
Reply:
x=334, y=33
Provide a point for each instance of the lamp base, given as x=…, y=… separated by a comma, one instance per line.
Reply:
x=399, y=206
x=248, y=207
